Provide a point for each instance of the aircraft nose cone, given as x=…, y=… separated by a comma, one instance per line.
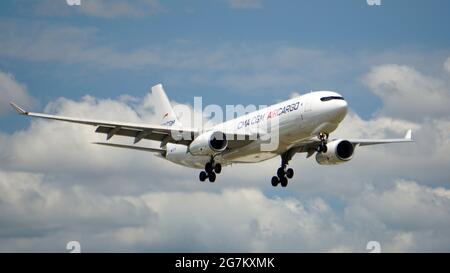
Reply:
x=341, y=109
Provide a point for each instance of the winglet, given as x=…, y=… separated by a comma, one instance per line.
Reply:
x=18, y=109
x=408, y=135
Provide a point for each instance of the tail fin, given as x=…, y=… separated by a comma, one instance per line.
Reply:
x=163, y=107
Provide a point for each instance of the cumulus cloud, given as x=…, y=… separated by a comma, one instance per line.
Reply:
x=12, y=90
x=231, y=220
x=393, y=207
x=74, y=145
x=397, y=210
x=234, y=219
x=40, y=216
x=407, y=93
x=132, y=201
x=447, y=65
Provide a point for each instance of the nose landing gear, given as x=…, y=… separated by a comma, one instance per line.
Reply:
x=211, y=169
x=322, y=147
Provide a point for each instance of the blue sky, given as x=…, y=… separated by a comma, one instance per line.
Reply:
x=391, y=62
x=347, y=29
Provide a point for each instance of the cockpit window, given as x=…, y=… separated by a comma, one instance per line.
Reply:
x=331, y=98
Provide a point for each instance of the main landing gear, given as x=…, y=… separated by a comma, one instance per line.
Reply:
x=211, y=169
x=284, y=174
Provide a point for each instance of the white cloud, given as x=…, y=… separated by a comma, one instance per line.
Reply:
x=413, y=214
x=407, y=93
x=234, y=219
x=34, y=211
x=133, y=201
x=447, y=65
x=12, y=91
x=330, y=208
x=393, y=207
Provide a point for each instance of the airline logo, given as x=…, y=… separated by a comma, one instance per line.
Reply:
x=270, y=114
x=168, y=123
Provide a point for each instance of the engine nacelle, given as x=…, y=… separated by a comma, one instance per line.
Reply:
x=338, y=151
x=179, y=154
x=209, y=143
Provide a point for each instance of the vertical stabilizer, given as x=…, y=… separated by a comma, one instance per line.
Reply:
x=163, y=107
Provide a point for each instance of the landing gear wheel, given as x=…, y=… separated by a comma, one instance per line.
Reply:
x=280, y=172
x=284, y=174
x=290, y=173
x=203, y=175
x=322, y=148
x=275, y=181
x=283, y=182
x=212, y=177
x=209, y=167
x=218, y=168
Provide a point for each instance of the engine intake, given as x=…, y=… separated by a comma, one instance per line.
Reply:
x=218, y=141
x=209, y=143
x=338, y=151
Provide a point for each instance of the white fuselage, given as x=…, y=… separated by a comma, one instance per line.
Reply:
x=298, y=119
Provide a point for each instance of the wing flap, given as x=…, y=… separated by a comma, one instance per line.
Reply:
x=135, y=130
x=19, y=110
x=139, y=134
x=164, y=134
x=140, y=148
x=309, y=146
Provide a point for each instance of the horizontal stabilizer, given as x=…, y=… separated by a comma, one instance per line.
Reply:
x=18, y=109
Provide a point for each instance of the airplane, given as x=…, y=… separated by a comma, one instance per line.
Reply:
x=304, y=124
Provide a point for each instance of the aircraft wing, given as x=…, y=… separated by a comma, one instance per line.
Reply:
x=366, y=142
x=309, y=146
x=164, y=134
x=161, y=133
x=139, y=148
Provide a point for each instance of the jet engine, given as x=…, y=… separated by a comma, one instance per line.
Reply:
x=338, y=151
x=209, y=143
